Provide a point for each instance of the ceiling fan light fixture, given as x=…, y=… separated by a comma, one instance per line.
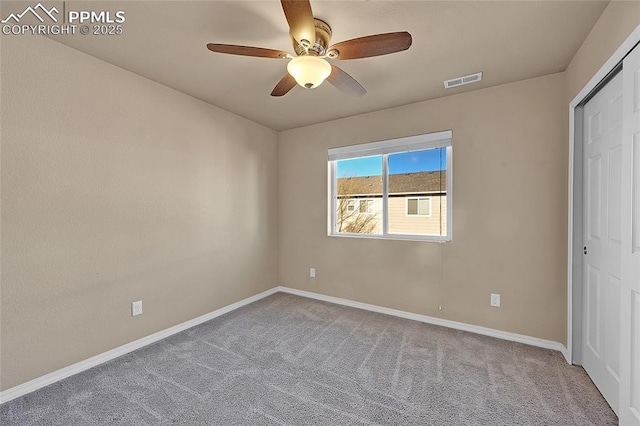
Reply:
x=309, y=71
x=311, y=40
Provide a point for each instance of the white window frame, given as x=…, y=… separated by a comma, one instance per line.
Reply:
x=393, y=146
x=406, y=206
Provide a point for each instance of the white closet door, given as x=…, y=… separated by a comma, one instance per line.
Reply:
x=629, y=414
x=603, y=238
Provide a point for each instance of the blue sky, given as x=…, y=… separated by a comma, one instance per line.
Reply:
x=407, y=162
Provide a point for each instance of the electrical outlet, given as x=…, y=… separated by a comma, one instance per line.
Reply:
x=312, y=272
x=136, y=308
x=495, y=300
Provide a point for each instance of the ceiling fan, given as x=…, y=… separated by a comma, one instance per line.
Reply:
x=311, y=37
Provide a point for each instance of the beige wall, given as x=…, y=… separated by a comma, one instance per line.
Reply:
x=509, y=153
x=114, y=189
x=618, y=20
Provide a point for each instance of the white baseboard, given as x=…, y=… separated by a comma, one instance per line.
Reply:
x=505, y=335
x=78, y=367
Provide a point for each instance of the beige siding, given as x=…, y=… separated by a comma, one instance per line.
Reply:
x=401, y=223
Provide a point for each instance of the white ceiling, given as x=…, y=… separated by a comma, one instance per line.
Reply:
x=507, y=40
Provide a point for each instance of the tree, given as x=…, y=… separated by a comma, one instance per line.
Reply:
x=348, y=216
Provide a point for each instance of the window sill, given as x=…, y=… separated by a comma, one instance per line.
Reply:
x=396, y=237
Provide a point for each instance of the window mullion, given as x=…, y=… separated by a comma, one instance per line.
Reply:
x=385, y=194
x=449, y=197
x=334, y=198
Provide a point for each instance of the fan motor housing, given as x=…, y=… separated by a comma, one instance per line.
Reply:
x=320, y=44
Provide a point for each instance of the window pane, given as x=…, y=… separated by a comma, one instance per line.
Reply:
x=424, y=206
x=417, y=183
x=412, y=206
x=359, y=181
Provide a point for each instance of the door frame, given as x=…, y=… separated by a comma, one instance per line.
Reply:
x=573, y=350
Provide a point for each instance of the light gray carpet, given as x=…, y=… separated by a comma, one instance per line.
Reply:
x=287, y=360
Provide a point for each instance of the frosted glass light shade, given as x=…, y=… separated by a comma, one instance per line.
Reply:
x=309, y=71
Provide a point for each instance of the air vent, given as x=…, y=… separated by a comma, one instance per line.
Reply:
x=459, y=81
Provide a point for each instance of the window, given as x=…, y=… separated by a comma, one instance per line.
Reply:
x=419, y=206
x=366, y=207
x=397, y=189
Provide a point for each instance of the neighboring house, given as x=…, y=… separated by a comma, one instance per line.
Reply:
x=417, y=204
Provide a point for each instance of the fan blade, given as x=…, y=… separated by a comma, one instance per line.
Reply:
x=373, y=45
x=345, y=82
x=247, y=51
x=287, y=83
x=300, y=18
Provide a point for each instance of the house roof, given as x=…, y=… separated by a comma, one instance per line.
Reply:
x=404, y=183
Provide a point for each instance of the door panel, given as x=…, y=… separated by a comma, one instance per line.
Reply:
x=594, y=171
x=595, y=127
x=634, y=385
x=615, y=112
x=603, y=238
x=613, y=326
x=593, y=310
x=615, y=196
